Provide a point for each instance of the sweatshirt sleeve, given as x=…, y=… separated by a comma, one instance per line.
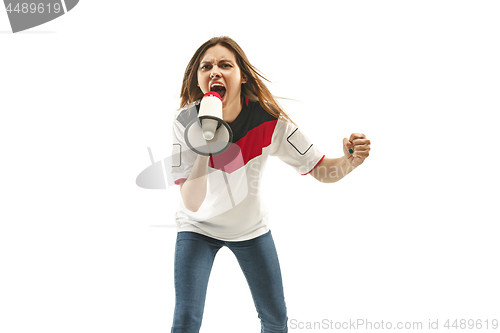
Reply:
x=294, y=148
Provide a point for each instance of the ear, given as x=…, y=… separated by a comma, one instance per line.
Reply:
x=244, y=78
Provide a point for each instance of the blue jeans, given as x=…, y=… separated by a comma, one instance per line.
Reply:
x=194, y=256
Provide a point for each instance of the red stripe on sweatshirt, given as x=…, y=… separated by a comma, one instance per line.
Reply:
x=245, y=149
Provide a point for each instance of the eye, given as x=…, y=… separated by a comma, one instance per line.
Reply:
x=204, y=67
x=227, y=66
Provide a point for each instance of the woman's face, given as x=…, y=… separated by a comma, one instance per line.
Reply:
x=219, y=71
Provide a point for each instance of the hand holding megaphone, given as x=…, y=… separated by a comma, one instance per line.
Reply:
x=209, y=134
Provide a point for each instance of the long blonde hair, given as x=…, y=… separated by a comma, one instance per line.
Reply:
x=254, y=89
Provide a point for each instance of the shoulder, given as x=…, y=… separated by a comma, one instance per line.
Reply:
x=259, y=113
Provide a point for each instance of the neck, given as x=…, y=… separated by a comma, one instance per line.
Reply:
x=230, y=112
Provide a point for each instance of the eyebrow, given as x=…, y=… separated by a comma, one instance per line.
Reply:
x=222, y=60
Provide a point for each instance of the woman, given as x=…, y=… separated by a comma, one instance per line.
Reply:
x=221, y=204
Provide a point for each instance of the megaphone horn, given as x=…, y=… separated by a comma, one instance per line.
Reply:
x=209, y=134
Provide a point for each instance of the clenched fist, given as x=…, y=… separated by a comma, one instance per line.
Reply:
x=356, y=149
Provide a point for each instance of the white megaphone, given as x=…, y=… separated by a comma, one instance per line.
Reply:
x=208, y=134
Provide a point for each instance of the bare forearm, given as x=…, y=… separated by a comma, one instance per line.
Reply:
x=194, y=189
x=331, y=170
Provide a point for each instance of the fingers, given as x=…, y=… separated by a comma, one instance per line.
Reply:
x=356, y=149
x=355, y=136
x=361, y=153
x=360, y=145
x=347, y=144
x=348, y=149
x=361, y=142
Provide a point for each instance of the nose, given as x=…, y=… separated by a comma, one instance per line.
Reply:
x=215, y=73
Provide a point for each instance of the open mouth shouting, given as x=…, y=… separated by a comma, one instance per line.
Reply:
x=218, y=88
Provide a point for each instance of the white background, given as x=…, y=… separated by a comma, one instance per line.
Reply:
x=411, y=235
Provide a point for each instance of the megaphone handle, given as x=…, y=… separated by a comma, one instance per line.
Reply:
x=208, y=148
